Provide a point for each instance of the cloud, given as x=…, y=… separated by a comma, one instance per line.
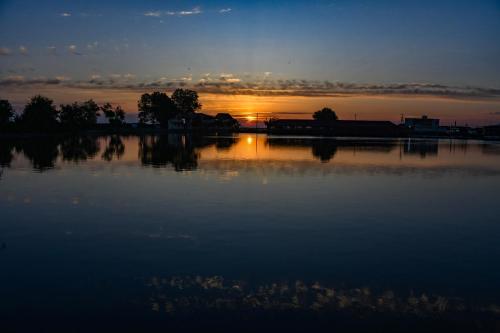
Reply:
x=4, y=51
x=228, y=78
x=153, y=14
x=23, y=50
x=18, y=80
x=227, y=83
x=73, y=50
x=66, y=14
x=225, y=10
x=195, y=11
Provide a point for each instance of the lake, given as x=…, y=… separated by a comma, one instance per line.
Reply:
x=156, y=231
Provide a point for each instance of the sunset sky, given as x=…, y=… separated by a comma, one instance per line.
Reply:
x=375, y=59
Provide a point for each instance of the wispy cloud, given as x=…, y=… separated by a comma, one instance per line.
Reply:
x=73, y=50
x=225, y=10
x=65, y=14
x=19, y=80
x=229, y=78
x=4, y=51
x=194, y=11
x=153, y=14
x=227, y=83
x=157, y=13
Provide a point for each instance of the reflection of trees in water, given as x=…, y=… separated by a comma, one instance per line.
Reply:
x=175, y=150
x=41, y=152
x=79, y=148
x=179, y=151
x=6, y=153
x=224, y=143
x=324, y=150
x=114, y=148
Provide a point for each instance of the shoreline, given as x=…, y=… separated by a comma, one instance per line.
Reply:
x=161, y=131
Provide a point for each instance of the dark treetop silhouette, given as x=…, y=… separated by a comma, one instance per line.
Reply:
x=79, y=116
x=159, y=108
x=6, y=113
x=325, y=114
x=116, y=116
x=39, y=114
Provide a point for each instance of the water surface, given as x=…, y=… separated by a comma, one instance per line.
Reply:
x=93, y=227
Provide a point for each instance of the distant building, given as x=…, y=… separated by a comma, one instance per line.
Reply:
x=226, y=121
x=492, y=131
x=334, y=128
x=203, y=122
x=424, y=124
x=179, y=123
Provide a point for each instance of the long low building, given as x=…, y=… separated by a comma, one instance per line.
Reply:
x=335, y=128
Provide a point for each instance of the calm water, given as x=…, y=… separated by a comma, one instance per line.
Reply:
x=132, y=227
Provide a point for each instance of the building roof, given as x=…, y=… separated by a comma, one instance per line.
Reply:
x=310, y=122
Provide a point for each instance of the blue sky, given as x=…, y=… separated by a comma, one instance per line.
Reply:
x=253, y=46
x=447, y=42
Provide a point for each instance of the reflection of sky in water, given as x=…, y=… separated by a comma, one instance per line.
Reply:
x=418, y=215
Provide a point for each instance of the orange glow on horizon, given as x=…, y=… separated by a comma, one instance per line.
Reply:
x=475, y=112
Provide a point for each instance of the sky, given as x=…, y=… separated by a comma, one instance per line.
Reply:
x=365, y=59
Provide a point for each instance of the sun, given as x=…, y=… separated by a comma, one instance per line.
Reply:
x=250, y=118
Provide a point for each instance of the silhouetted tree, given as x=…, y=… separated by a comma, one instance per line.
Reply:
x=6, y=112
x=90, y=111
x=78, y=116
x=226, y=121
x=39, y=114
x=155, y=108
x=114, y=148
x=186, y=100
x=325, y=114
x=115, y=117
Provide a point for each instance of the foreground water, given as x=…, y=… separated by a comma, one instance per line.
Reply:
x=120, y=233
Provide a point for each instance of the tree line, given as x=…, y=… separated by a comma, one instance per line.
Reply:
x=41, y=114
